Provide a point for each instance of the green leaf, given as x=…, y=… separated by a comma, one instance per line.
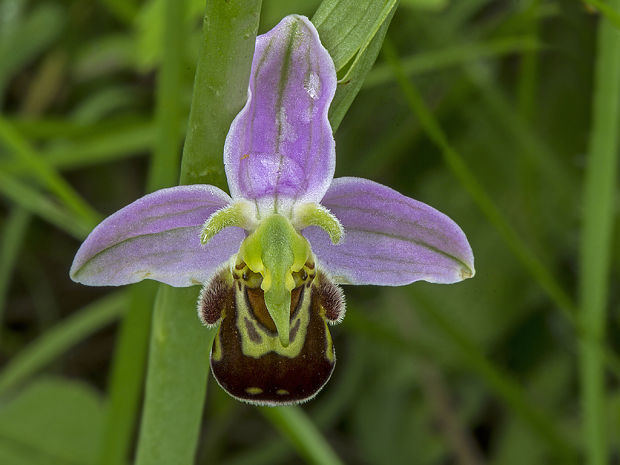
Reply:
x=352, y=32
x=607, y=10
x=351, y=84
x=53, y=421
x=599, y=211
x=346, y=25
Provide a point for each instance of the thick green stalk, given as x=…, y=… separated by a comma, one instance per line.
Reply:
x=127, y=375
x=179, y=351
x=176, y=380
x=598, y=207
x=220, y=87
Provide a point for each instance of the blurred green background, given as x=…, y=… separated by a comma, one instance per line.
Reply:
x=485, y=371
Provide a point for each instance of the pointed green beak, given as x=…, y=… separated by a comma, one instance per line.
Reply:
x=276, y=250
x=278, y=302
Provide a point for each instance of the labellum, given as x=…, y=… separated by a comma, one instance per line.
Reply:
x=248, y=359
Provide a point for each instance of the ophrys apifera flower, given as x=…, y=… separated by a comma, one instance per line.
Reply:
x=271, y=255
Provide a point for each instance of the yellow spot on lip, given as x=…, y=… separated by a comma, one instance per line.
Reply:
x=254, y=390
x=245, y=155
x=282, y=392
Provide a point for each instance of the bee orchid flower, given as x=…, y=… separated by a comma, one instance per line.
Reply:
x=271, y=256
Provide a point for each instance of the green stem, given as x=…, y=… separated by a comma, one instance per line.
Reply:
x=176, y=380
x=526, y=93
x=599, y=189
x=179, y=350
x=220, y=87
x=127, y=375
x=60, y=338
x=303, y=435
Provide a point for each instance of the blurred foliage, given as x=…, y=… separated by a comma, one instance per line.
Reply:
x=480, y=372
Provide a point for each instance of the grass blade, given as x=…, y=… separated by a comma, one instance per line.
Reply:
x=46, y=175
x=129, y=362
x=303, y=435
x=437, y=60
x=36, y=203
x=12, y=237
x=506, y=388
x=455, y=163
x=596, y=240
x=61, y=338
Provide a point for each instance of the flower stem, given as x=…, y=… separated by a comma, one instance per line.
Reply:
x=179, y=351
x=220, y=87
x=176, y=380
x=598, y=207
x=127, y=375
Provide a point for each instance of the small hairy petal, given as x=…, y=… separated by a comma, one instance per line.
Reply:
x=214, y=297
x=331, y=298
x=157, y=237
x=390, y=239
x=280, y=146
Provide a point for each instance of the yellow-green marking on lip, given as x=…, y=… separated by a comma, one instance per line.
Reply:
x=276, y=250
